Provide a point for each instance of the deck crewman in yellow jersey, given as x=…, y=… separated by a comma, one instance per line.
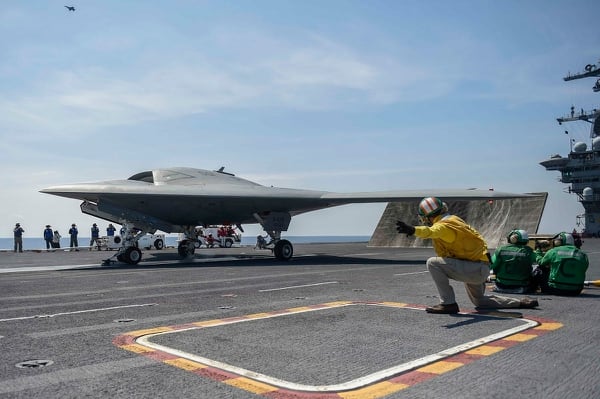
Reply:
x=462, y=255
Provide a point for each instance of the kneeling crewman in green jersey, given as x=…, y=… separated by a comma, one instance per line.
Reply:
x=563, y=267
x=461, y=255
x=512, y=264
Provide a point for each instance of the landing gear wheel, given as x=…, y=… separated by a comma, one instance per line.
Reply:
x=132, y=255
x=283, y=250
x=186, y=248
x=228, y=243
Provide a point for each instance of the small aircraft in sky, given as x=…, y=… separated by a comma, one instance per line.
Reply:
x=70, y=8
x=178, y=199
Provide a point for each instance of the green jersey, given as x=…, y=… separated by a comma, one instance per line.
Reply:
x=568, y=265
x=512, y=265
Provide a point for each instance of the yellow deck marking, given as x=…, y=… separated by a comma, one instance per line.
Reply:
x=440, y=367
x=338, y=303
x=208, y=323
x=549, y=326
x=251, y=385
x=394, y=304
x=485, y=350
x=521, y=337
x=258, y=315
x=136, y=348
x=374, y=391
x=300, y=309
x=185, y=364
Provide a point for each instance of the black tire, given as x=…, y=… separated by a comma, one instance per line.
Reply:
x=185, y=249
x=159, y=244
x=182, y=248
x=117, y=240
x=132, y=255
x=283, y=250
x=228, y=243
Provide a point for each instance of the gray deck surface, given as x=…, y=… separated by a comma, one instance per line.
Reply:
x=64, y=308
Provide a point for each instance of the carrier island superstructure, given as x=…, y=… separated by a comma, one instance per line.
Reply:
x=581, y=168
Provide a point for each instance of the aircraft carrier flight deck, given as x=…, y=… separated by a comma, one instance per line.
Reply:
x=336, y=321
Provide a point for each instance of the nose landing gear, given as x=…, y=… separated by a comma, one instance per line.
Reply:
x=131, y=255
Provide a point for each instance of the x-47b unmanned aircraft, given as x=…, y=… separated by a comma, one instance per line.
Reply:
x=176, y=200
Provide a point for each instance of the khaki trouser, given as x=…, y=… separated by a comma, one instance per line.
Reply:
x=473, y=274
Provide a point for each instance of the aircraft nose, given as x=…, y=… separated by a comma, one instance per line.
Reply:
x=68, y=191
x=54, y=190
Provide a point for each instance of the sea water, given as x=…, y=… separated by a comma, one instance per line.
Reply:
x=7, y=243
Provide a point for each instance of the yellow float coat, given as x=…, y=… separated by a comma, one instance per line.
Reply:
x=453, y=238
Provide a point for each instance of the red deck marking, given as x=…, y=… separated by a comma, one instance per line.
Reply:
x=464, y=358
x=503, y=343
x=160, y=356
x=215, y=374
x=122, y=340
x=413, y=377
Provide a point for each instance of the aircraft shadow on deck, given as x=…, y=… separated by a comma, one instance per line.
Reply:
x=253, y=261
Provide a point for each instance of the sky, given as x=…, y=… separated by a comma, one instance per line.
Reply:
x=330, y=95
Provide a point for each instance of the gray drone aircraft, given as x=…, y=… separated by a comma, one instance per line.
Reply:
x=176, y=200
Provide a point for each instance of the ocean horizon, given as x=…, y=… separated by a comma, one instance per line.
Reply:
x=7, y=243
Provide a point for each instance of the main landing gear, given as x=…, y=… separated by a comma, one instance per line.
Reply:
x=188, y=245
x=274, y=223
x=283, y=250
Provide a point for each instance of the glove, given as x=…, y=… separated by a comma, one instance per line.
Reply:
x=543, y=245
x=404, y=228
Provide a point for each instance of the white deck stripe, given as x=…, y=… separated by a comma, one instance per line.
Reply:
x=40, y=316
x=298, y=286
x=407, y=274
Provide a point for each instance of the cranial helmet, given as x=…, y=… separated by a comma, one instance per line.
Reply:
x=563, y=239
x=431, y=206
x=518, y=237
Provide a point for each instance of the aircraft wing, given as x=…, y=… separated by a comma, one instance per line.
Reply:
x=170, y=198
